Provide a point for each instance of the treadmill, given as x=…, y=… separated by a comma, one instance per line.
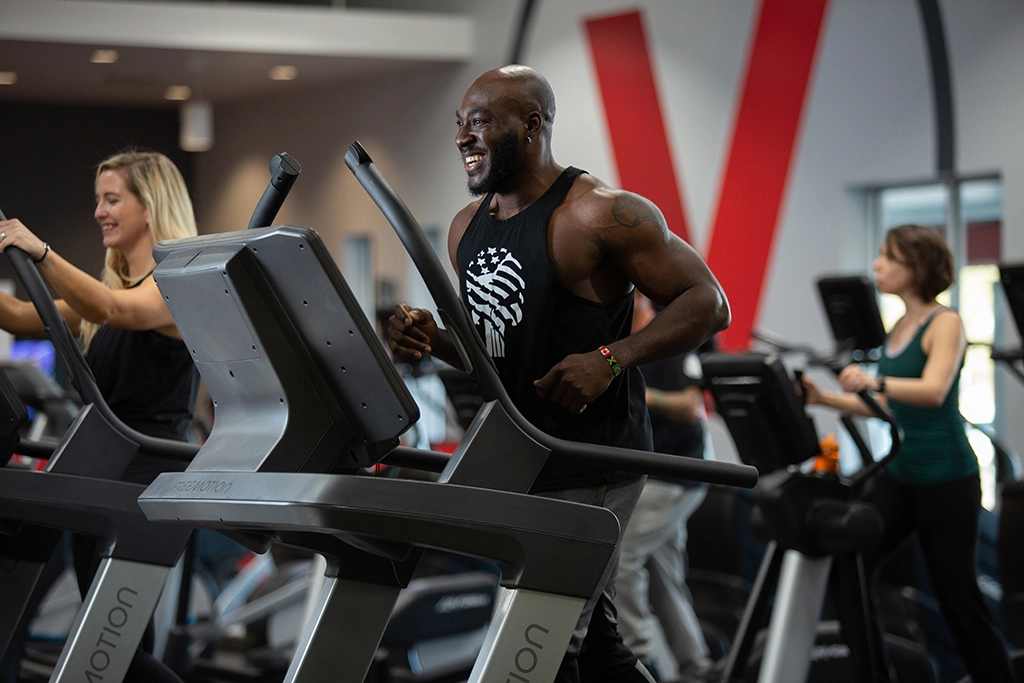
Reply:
x=1012, y=277
x=815, y=526
x=79, y=491
x=307, y=398
x=1011, y=493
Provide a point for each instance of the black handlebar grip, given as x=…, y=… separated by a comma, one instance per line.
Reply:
x=284, y=169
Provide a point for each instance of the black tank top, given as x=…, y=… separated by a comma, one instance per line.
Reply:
x=529, y=322
x=150, y=382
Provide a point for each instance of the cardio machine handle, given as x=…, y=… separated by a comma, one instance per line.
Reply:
x=478, y=363
x=895, y=433
x=284, y=169
x=450, y=308
x=882, y=413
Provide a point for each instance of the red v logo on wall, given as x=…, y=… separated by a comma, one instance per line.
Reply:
x=759, y=155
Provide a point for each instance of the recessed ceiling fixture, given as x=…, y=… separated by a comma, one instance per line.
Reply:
x=8, y=78
x=178, y=93
x=103, y=56
x=283, y=72
x=196, y=129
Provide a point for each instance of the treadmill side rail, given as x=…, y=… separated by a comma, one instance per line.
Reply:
x=18, y=577
x=318, y=655
x=110, y=625
x=527, y=637
x=794, y=622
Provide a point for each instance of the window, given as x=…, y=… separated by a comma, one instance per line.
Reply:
x=418, y=294
x=357, y=267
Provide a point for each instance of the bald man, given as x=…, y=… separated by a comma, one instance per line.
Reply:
x=547, y=258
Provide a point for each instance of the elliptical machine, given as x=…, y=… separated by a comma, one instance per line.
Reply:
x=1011, y=515
x=816, y=529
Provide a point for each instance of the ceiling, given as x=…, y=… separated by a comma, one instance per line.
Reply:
x=59, y=72
x=222, y=51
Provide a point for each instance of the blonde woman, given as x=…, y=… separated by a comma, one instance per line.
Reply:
x=134, y=349
x=141, y=365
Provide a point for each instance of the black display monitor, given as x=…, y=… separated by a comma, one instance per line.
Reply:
x=758, y=401
x=851, y=306
x=1012, y=277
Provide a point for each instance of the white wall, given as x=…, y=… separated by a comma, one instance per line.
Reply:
x=868, y=118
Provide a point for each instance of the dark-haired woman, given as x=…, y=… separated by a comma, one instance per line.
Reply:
x=932, y=485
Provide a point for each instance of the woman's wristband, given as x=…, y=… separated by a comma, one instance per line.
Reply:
x=46, y=251
x=881, y=384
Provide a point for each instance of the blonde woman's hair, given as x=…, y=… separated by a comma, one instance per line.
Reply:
x=156, y=182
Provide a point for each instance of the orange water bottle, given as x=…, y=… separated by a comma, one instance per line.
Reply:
x=828, y=459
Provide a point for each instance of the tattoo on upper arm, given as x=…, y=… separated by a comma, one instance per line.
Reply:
x=630, y=211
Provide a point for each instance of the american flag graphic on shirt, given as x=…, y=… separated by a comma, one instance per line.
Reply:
x=494, y=287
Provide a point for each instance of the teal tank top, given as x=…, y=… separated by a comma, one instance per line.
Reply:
x=935, y=448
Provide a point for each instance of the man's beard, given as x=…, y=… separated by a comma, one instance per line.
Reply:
x=503, y=163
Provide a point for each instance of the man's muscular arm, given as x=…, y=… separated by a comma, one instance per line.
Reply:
x=669, y=272
x=633, y=239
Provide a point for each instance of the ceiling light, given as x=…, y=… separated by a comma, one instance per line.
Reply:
x=196, y=126
x=283, y=72
x=8, y=78
x=178, y=93
x=103, y=57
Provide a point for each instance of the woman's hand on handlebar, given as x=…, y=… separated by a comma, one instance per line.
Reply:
x=852, y=378
x=411, y=331
x=13, y=233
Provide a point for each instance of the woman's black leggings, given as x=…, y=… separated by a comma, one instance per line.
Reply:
x=945, y=517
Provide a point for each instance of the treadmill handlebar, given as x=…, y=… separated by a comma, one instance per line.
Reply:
x=56, y=329
x=284, y=169
x=1008, y=355
x=882, y=413
x=82, y=377
x=645, y=462
x=42, y=448
x=479, y=365
x=450, y=308
x=655, y=464
x=417, y=459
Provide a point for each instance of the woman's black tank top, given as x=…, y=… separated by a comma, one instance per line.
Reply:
x=529, y=322
x=149, y=381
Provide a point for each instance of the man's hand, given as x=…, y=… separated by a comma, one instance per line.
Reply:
x=411, y=331
x=576, y=381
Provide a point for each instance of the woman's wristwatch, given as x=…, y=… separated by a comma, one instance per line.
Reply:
x=881, y=383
